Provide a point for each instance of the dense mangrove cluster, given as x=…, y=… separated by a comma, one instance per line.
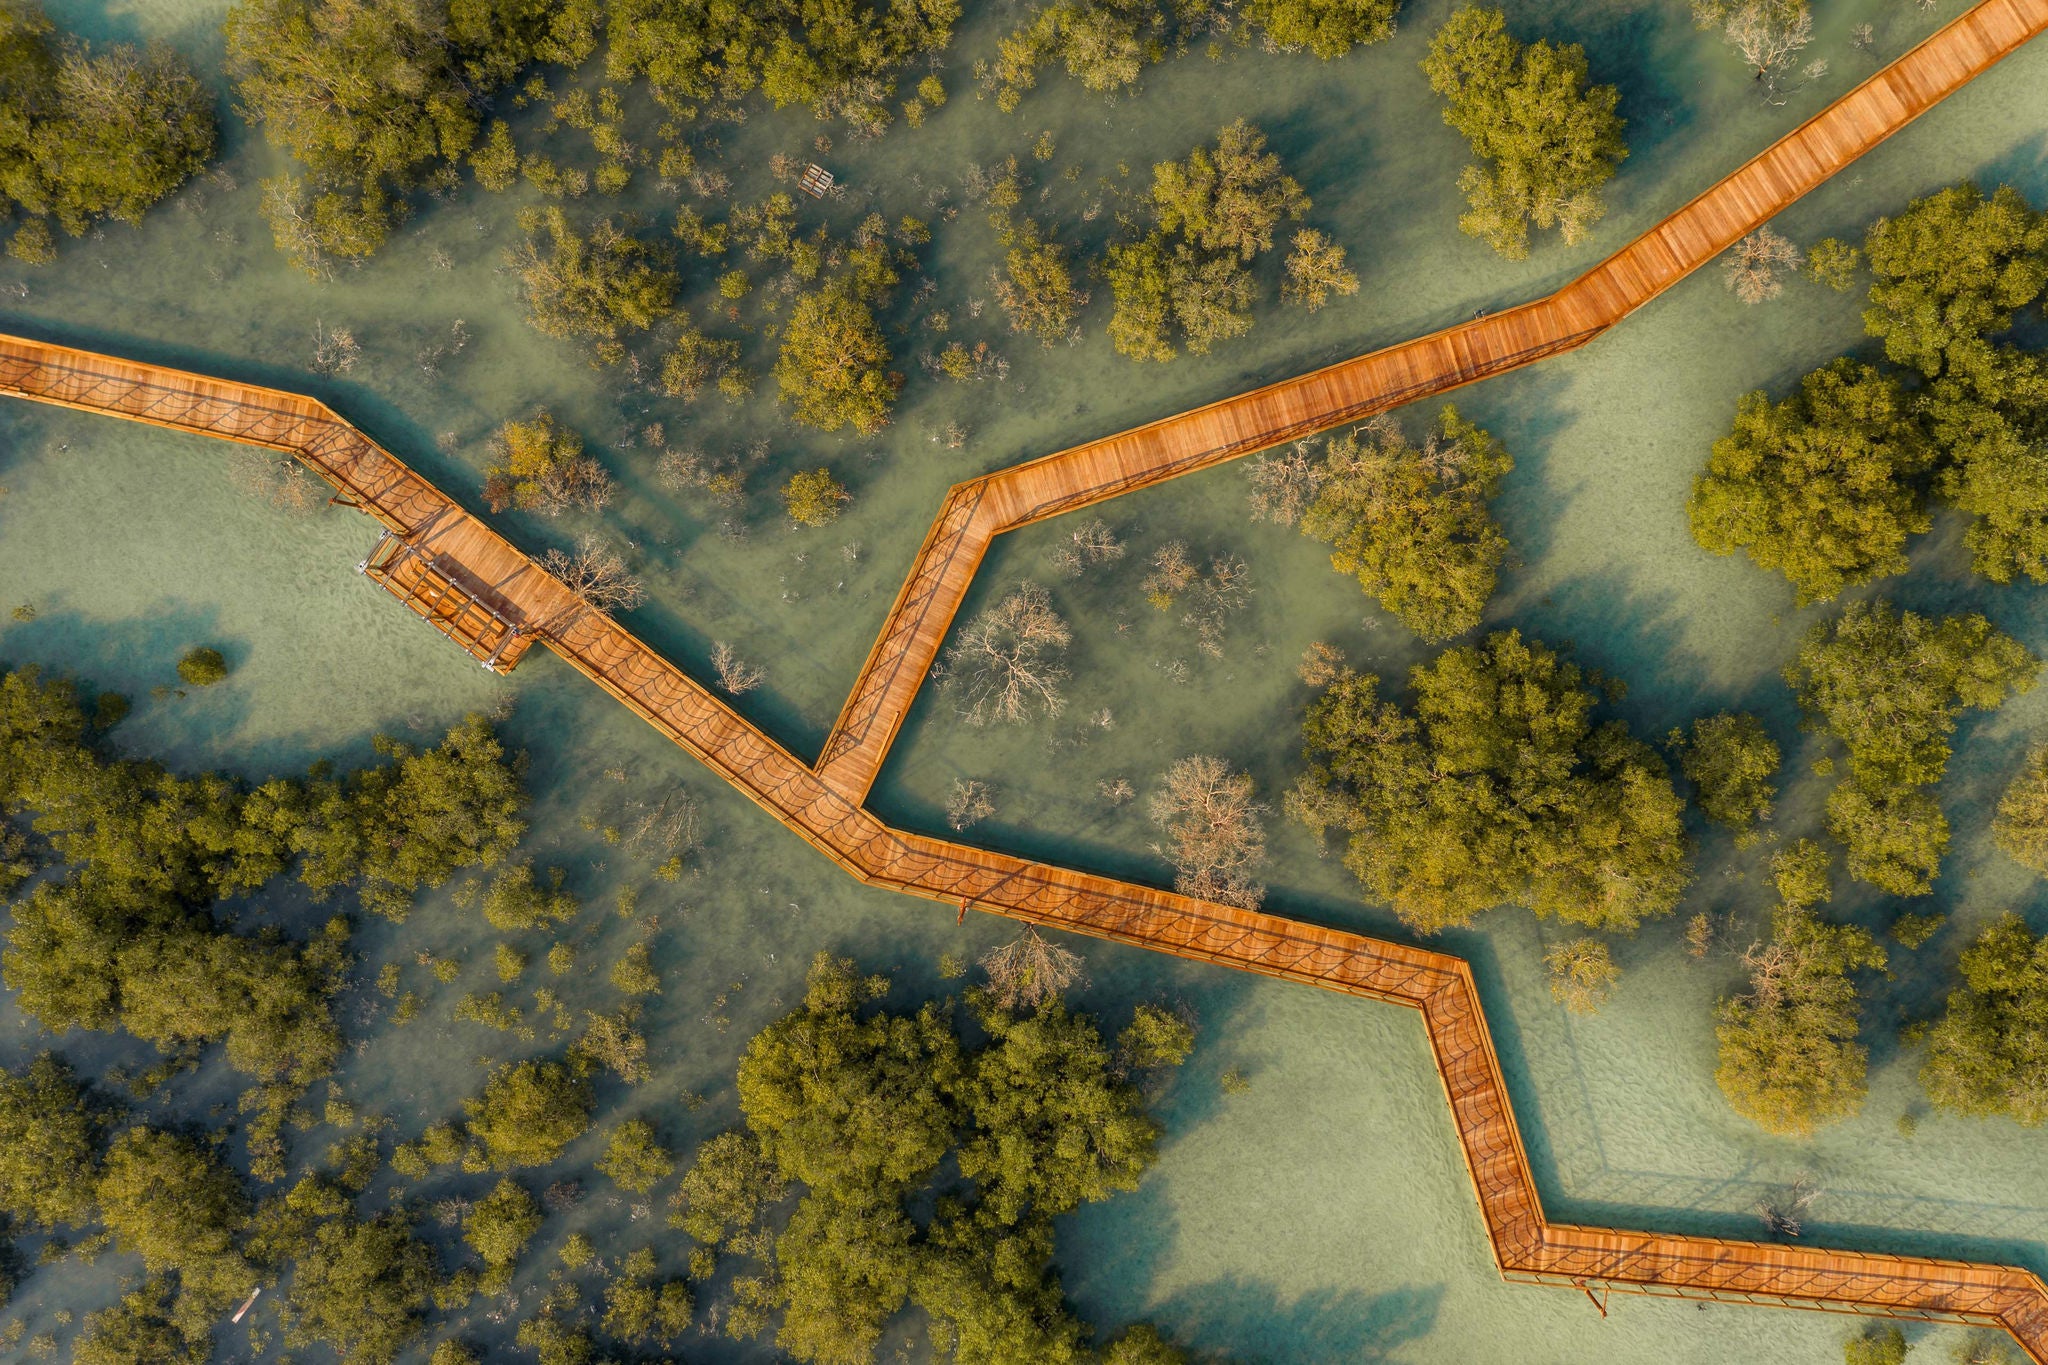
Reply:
x=126, y=915
x=120, y=926
x=1828, y=485
x=1495, y=787
x=87, y=136
x=926, y=1166
x=142, y=903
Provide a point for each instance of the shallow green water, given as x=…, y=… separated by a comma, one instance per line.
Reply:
x=1323, y=1214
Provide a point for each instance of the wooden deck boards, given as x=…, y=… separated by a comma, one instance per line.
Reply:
x=362, y=472
x=824, y=805
x=1718, y=218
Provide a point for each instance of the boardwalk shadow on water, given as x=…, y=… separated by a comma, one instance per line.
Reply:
x=1634, y=51
x=1627, y=1188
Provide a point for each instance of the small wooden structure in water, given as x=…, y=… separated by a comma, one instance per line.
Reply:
x=440, y=593
x=816, y=182
x=450, y=569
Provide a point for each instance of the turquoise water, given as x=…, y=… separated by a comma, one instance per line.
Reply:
x=1323, y=1214
x=201, y=285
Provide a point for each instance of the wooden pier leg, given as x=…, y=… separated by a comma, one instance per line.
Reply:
x=1588, y=1289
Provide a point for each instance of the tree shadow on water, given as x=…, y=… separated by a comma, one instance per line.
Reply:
x=1250, y=1323
x=129, y=655
x=137, y=657
x=1639, y=51
x=2023, y=165
x=1528, y=411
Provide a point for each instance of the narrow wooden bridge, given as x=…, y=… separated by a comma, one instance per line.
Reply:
x=976, y=512
x=446, y=565
x=495, y=601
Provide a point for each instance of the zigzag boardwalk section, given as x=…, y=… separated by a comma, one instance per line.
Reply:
x=1525, y=1246
x=472, y=584
x=978, y=511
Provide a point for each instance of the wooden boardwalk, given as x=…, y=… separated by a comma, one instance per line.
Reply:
x=455, y=572
x=442, y=550
x=976, y=512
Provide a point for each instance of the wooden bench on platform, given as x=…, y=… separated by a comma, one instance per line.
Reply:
x=438, y=594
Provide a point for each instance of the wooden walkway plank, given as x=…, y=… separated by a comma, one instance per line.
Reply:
x=1715, y=220
x=824, y=805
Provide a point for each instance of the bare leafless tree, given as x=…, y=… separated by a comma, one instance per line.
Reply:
x=1217, y=594
x=671, y=828
x=1228, y=583
x=577, y=482
x=1751, y=267
x=1085, y=547
x=1768, y=34
x=596, y=574
x=1027, y=971
x=724, y=477
x=1284, y=483
x=1216, y=837
x=734, y=676
x=680, y=469
x=1784, y=1214
x=334, y=351
x=281, y=481
x=971, y=802
x=1006, y=665
x=1172, y=573
x=1115, y=790
x=1774, y=972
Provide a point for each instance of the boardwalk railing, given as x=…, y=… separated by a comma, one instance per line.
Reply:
x=1715, y=220
x=824, y=804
